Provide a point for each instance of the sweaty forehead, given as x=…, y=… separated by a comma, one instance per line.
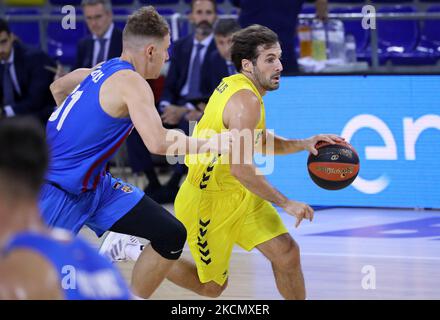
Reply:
x=264, y=50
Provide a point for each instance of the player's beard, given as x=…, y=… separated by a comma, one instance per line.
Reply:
x=266, y=83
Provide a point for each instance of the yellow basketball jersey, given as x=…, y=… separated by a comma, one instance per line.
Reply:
x=212, y=172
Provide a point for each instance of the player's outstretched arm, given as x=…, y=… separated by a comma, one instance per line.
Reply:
x=139, y=98
x=273, y=144
x=241, y=116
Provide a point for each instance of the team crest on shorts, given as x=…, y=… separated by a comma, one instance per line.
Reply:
x=117, y=185
x=127, y=189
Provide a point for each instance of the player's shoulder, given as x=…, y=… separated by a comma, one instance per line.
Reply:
x=127, y=77
x=127, y=81
x=26, y=274
x=247, y=97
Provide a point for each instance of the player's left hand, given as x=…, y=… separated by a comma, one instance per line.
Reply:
x=173, y=114
x=310, y=143
x=193, y=115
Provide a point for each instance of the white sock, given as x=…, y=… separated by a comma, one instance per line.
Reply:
x=133, y=252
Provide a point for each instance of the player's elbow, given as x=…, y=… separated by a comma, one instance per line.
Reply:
x=55, y=88
x=57, y=91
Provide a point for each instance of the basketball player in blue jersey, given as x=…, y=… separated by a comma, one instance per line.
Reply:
x=36, y=262
x=97, y=111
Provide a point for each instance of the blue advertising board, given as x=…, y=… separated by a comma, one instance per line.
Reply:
x=392, y=121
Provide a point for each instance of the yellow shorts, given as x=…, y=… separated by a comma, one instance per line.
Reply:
x=215, y=221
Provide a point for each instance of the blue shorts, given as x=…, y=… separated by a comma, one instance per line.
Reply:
x=98, y=209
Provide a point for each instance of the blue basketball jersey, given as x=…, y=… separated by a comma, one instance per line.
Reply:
x=83, y=273
x=82, y=138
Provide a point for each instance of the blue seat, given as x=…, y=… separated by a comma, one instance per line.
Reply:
x=397, y=39
x=122, y=2
x=159, y=2
x=391, y=1
x=347, y=1
x=121, y=12
x=65, y=2
x=354, y=27
x=361, y=35
x=62, y=43
x=431, y=28
x=307, y=9
x=218, y=1
x=429, y=47
x=29, y=31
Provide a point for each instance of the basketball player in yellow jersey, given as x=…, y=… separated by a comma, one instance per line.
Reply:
x=224, y=204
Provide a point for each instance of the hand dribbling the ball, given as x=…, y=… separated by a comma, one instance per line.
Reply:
x=310, y=143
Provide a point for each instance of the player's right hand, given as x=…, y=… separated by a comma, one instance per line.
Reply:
x=221, y=143
x=299, y=210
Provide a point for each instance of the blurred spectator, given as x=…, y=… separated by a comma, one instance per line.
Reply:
x=281, y=16
x=219, y=62
x=32, y=257
x=186, y=79
x=105, y=41
x=26, y=74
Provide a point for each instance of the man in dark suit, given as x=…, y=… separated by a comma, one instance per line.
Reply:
x=220, y=64
x=105, y=41
x=25, y=78
x=186, y=90
x=185, y=84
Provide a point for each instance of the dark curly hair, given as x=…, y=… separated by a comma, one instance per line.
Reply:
x=246, y=42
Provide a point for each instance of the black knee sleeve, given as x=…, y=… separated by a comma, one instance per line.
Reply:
x=169, y=244
x=150, y=221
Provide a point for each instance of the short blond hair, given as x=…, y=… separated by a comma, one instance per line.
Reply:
x=146, y=22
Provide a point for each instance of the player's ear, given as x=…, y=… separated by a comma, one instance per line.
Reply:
x=149, y=51
x=247, y=65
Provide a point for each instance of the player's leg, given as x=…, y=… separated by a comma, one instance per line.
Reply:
x=264, y=230
x=184, y=274
x=123, y=208
x=284, y=255
x=167, y=236
x=212, y=222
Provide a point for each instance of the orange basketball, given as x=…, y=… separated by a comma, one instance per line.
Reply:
x=335, y=167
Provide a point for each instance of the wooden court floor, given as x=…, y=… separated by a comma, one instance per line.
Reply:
x=346, y=253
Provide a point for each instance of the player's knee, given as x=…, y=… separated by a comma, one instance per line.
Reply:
x=288, y=256
x=171, y=243
x=212, y=289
